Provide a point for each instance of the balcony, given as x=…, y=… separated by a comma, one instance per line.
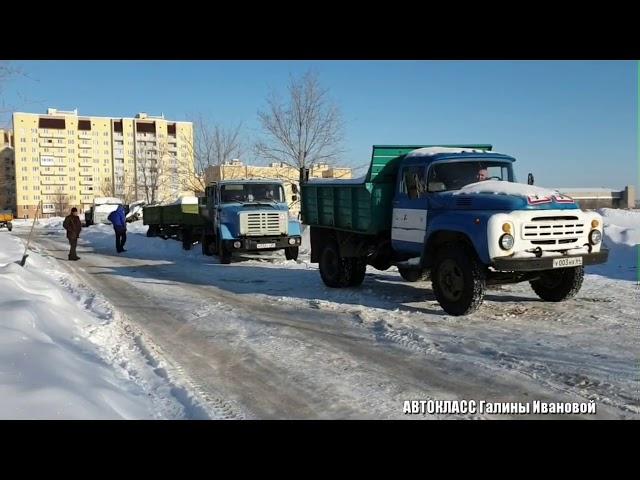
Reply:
x=84, y=135
x=53, y=134
x=85, y=145
x=53, y=181
x=85, y=153
x=44, y=143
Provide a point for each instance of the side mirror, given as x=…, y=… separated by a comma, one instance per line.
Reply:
x=294, y=188
x=530, y=179
x=294, y=198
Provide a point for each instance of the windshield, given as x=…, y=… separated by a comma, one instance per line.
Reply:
x=252, y=192
x=455, y=175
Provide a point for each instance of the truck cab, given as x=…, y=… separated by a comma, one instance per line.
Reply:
x=454, y=214
x=248, y=216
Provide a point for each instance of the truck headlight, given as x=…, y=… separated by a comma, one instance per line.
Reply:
x=292, y=241
x=506, y=241
x=595, y=237
x=237, y=244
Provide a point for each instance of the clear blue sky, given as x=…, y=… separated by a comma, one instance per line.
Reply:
x=570, y=123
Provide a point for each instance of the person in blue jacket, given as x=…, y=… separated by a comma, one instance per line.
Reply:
x=119, y=222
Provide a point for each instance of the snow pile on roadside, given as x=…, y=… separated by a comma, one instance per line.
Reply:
x=506, y=188
x=622, y=237
x=49, y=367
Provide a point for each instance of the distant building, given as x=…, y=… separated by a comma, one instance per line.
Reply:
x=236, y=170
x=593, y=198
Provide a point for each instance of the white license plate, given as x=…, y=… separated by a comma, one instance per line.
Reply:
x=266, y=245
x=567, y=262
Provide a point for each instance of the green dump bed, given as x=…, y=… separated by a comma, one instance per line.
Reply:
x=360, y=205
x=175, y=214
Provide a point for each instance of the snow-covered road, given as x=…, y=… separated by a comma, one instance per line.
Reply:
x=266, y=339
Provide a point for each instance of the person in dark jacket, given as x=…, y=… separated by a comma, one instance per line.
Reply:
x=119, y=222
x=73, y=226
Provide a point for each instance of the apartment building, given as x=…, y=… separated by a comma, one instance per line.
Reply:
x=236, y=169
x=65, y=159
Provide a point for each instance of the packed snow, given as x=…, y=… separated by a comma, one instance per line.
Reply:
x=265, y=333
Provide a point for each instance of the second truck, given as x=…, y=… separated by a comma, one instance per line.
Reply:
x=233, y=216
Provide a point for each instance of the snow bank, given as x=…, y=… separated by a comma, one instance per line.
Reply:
x=506, y=188
x=622, y=237
x=48, y=367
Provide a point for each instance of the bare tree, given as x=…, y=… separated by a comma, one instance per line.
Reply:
x=107, y=188
x=304, y=130
x=212, y=144
x=150, y=173
x=60, y=203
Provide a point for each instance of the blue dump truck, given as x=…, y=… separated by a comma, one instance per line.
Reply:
x=455, y=214
x=247, y=216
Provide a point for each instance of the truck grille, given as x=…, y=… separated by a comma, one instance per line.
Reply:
x=261, y=223
x=552, y=230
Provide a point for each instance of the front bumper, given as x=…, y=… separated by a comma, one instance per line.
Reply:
x=250, y=244
x=545, y=263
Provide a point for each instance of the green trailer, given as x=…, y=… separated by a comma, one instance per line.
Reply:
x=178, y=220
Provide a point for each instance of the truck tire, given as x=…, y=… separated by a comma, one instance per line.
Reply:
x=458, y=280
x=339, y=272
x=332, y=267
x=224, y=254
x=411, y=274
x=187, y=239
x=206, y=245
x=10, y=226
x=151, y=231
x=357, y=268
x=559, y=284
x=291, y=253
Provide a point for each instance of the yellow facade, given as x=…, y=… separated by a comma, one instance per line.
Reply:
x=7, y=172
x=236, y=170
x=66, y=160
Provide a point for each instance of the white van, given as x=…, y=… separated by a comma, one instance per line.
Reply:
x=102, y=207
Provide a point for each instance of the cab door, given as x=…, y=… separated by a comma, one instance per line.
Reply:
x=410, y=205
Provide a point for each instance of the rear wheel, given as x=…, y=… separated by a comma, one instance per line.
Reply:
x=291, y=253
x=339, y=272
x=332, y=268
x=356, y=270
x=411, y=274
x=558, y=285
x=458, y=280
x=187, y=239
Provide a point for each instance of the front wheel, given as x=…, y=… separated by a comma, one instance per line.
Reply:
x=558, y=285
x=224, y=254
x=10, y=226
x=458, y=280
x=291, y=253
x=411, y=275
